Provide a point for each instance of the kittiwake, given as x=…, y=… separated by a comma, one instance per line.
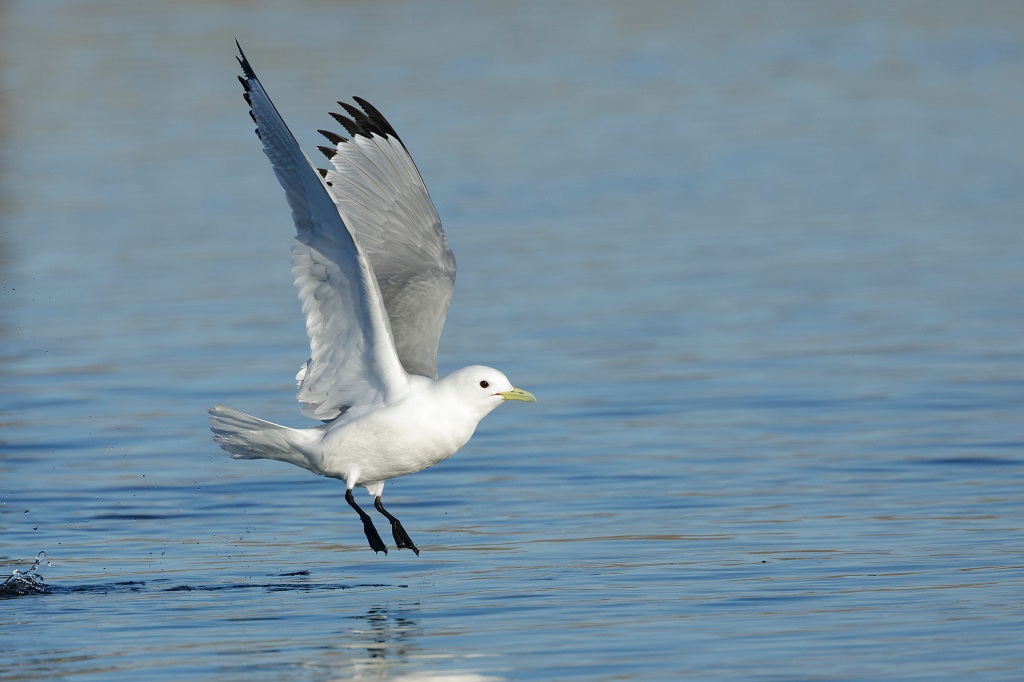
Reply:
x=375, y=277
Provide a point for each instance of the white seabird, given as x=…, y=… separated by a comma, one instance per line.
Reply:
x=375, y=277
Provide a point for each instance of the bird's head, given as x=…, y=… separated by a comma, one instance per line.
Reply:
x=484, y=387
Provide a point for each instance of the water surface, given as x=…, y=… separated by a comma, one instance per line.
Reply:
x=760, y=263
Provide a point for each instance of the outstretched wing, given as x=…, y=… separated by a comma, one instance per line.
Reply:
x=380, y=193
x=352, y=355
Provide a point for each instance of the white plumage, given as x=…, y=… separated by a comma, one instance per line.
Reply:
x=375, y=277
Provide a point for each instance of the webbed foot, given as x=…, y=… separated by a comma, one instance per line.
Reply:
x=402, y=539
x=372, y=536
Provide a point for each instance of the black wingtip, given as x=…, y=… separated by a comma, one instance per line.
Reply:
x=358, y=116
x=250, y=75
x=377, y=119
x=243, y=61
x=367, y=121
x=352, y=127
x=367, y=125
x=333, y=138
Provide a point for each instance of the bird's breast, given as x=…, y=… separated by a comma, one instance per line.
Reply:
x=395, y=441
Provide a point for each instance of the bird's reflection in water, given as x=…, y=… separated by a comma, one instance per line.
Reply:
x=385, y=635
x=386, y=643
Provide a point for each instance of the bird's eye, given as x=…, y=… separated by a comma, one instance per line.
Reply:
x=484, y=384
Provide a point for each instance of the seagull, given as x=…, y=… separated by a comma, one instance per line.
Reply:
x=375, y=277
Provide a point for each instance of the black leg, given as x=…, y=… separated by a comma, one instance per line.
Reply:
x=376, y=544
x=402, y=538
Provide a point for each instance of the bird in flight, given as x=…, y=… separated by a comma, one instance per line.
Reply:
x=375, y=277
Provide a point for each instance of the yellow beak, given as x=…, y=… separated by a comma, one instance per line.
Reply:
x=518, y=394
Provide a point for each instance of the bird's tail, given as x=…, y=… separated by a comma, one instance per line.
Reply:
x=248, y=437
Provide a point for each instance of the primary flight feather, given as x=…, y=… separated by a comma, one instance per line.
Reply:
x=375, y=277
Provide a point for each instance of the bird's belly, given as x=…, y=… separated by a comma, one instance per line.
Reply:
x=383, y=446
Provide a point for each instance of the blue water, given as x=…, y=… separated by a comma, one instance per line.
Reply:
x=761, y=263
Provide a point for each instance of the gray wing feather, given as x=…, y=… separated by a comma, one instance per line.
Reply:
x=378, y=189
x=353, y=360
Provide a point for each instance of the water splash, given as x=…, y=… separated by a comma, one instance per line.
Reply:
x=23, y=583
